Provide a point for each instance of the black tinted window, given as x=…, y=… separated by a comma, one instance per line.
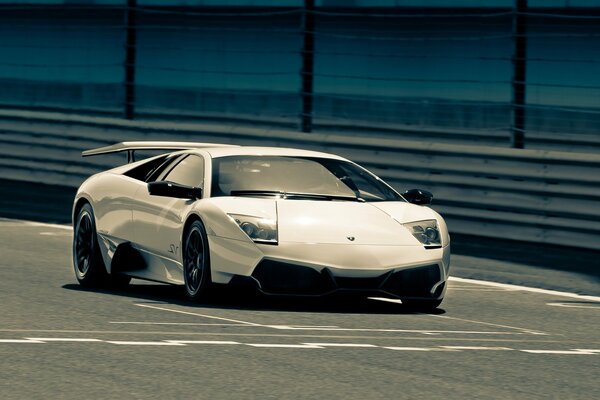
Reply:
x=143, y=171
x=163, y=168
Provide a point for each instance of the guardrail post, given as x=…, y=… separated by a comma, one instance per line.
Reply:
x=519, y=84
x=130, y=55
x=308, y=51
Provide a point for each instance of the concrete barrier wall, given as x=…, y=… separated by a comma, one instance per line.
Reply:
x=529, y=195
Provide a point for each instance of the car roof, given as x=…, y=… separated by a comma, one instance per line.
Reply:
x=216, y=152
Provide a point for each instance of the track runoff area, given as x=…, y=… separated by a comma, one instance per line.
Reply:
x=488, y=339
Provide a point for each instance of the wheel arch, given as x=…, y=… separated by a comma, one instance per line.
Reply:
x=191, y=219
x=79, y=203
x=188, y=222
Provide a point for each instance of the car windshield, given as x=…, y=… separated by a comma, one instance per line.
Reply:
x=297, y=177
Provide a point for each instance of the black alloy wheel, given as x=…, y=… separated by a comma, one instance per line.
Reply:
x=87, y=260
x=196, y=262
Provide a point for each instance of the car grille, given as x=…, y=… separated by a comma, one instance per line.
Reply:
x=414, y=282
x=276, y=277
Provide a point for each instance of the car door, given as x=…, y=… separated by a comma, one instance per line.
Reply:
x=158, y=220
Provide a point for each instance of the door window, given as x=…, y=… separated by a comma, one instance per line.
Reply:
x=188, y=172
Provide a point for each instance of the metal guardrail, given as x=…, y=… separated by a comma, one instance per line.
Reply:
x=529, y=195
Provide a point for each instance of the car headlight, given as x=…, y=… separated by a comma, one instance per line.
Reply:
x=426, y=232
x=260, y=230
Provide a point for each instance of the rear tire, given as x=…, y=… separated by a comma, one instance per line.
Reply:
x=87, y=260
x=196, y=263
x=88, y=263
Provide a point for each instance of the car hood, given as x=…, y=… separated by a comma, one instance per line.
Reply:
x=339, y=222
x=327, y=222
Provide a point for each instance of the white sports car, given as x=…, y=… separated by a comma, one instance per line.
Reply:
x=285, y=221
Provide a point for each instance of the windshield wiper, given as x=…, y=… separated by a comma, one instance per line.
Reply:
x=295, y=195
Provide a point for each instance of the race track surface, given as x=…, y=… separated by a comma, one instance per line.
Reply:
x=58, y=340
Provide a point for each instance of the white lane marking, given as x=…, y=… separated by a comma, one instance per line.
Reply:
x=172, y=323
x=596, y=351
x=41, y=224
x=64, y=339
x=481, y=290
x=286, y=346
x=573, y=305
x=475, y=348
x=291, y=327
x=313, y=326
x=202, y=342
x=310, y=345
x=524, y=330
x=198, y=315
x=422, y=331
x=341, y=344
x=416, y=348
x=520, y=339
x=581, y=352
x=211, y=324
x=525, y=289
x=133, y=343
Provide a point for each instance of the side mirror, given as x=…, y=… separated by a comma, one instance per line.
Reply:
x=418, y=196
x=170, y=189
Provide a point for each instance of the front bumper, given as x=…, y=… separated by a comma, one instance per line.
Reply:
x=273, y=277
x=318, y=269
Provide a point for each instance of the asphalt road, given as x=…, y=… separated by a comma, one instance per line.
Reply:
x=487, y=341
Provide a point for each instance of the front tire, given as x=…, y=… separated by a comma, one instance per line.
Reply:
x=87, y=260
x=196, y=263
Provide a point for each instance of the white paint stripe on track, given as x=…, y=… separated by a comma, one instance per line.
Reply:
x=172, y=323
x=313, y=326
x=285, y=346
x=524, y=330
x=341, y=344
x=202, y=341
x=475, y=348
x=482, y=289
x=597, y=307
x=308, y=345
x=576, y=352
x=422, y=331
x=288, y=327
x=198, y=314
x=597, y=351
x=39, y=224
x=417, y=348
x=64, y=339
x=132, y=343
x=525, y=288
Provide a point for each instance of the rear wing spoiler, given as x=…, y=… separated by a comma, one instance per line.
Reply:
x=131, y=147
